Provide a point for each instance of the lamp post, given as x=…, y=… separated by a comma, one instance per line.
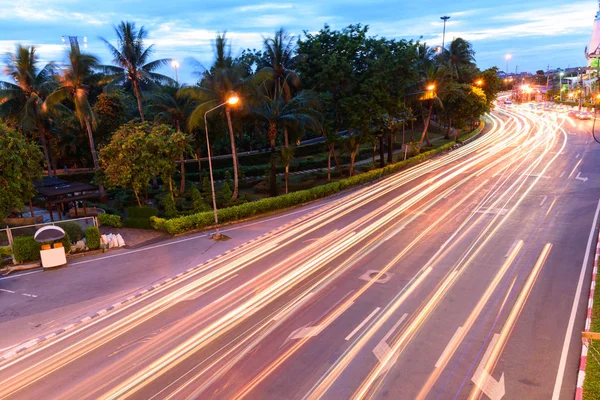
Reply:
x=507, y=58
x=175, y=65
x=560, y=85
x=444, y=18
x=479, y=82
x=232, y=100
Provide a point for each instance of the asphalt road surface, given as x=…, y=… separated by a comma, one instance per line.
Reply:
x=465, y=277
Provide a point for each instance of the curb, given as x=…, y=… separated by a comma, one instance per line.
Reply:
x=588, y=321
x=19, y=348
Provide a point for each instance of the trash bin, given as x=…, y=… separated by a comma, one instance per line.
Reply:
x=51, y=256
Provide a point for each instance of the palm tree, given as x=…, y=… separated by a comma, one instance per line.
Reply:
x=26, y=95
x=74, y=87
x=298, y=113
x=460, y=53
x=436, y=81
x=132, y=61
x=173, y=110
x=215, y=87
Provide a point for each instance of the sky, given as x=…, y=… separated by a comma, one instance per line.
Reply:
x=537, y=33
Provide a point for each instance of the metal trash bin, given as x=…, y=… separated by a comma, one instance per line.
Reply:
x=54, y=256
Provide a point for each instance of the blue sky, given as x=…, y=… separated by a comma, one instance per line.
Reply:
x=536, y=33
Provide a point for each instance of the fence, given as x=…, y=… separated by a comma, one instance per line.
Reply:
x=8, y=234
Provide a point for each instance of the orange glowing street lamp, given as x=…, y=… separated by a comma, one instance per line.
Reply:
x=430, y=87
x=479, y=82
x=232, y=100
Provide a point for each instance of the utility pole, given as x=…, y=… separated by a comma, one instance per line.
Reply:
x=444, y=18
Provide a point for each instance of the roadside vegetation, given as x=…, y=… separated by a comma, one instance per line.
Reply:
x=364, y=103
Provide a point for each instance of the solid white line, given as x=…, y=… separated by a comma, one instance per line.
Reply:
x=511, y=248
x=562, y=174
x=448, y=347
x=565, y=350
x=543, y=200
x=387, y=336
x=6, y=290
x=362, y=323
x=577, y=156
x=16, y=276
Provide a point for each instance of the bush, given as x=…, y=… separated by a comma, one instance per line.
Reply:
x=206, y=190
x=142, y=212
x=110, y=220
x=92, y=237
x=66, y=241
x=26, y=249
x=198, y=203
x=226, y=192
x=138, y=223
x=5, y=252
x=73, y=229
x=170, y=207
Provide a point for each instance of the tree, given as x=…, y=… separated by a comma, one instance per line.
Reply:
x=460, y=54
x=136, y=153
x=298, y=113
x=173, y=110
x=20, y=165
x=110, y=113
x=436, y=81
x=24, y=97
x=216, y=86
x=73, y=87
x=132, y=59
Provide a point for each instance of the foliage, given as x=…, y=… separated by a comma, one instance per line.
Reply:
x=141, y=212
x=225, y=192
x=198, y=204
x=110, y=220
x=170, y=207
x=110, y=113
x=20, y=165
x=25, y=248
x=73, y=229
x=92, y=237
x=5, y=251
x=206, y=188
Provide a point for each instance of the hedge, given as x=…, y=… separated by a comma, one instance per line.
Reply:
x=229, y=214
x=25, y=248
x=92, y=237
x=141, y=212
x=138, y=223
x=5, y=252
x=73, y=229
x=110, y=220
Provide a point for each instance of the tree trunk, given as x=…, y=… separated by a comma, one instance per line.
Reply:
x=94, y=155
x=234, y=195
x=447, y=136
x=391, y=140
x=31, y=210
x=287, y=175
x=427, y=121
x=171, y=187
x=329, y=166
x=199, y=164
x=381, y=152
x=412, y=130
x=138, y=95
x=137, y=197
x=272, y=137
x=45, y=150
x=352, y=157
x=373, y=158
x=182, y=168
x=456, y=135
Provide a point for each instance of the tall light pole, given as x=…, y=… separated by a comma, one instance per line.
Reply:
x=560, y=85
x=507, y=58
x=444, y=18
x=175, y=65
x=232, y=100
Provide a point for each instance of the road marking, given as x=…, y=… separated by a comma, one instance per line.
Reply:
x=511, y=248
x=382, y=349
x=577, y=156
x=28, y=295
x=569, y=333
x=6, y=290
x=449, y=193
x=543, y=200
x=562, y=174
x=579, y=178
x=449, y=346
x=576, y=165
x=16, y=276
x=483, y=380
x=362, y=323
x=310, y=331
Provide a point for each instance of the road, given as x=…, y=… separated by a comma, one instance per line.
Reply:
x=462, y=278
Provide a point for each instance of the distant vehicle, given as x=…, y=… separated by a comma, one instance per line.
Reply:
x=507, y=101
x=584, y=115
x=574, y=113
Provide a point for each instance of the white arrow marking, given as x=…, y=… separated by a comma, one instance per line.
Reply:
x=449, y=347
x=543, y=200
x=495, y=390
x=577, y=156
x=310, y=331
x=382, y=349
x=363, y=323
x=579, y=178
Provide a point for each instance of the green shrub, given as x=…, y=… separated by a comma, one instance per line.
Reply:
x=92, y=237
x=66, y=241
x=206, y=187
x=73, y=229
x=141, y=212
x=5, y=251
x=170, y=207
x=137, y=223
x=110, y=220
x=26, y=249
x=227, y=178
x=226, y=192
x=198, y=204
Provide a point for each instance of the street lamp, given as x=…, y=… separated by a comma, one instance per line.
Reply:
x=507, y=58
x=175, y=65
x=444, y=18
x=479, y=82
x=560, y=85
x=232, y=100
x=430, y=87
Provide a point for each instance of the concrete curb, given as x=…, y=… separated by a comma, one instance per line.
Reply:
x=19, y=348
x=588, y=322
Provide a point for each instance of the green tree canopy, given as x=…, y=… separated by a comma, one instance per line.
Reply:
x=20, y=165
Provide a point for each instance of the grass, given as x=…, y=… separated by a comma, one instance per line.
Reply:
x=591, y=387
